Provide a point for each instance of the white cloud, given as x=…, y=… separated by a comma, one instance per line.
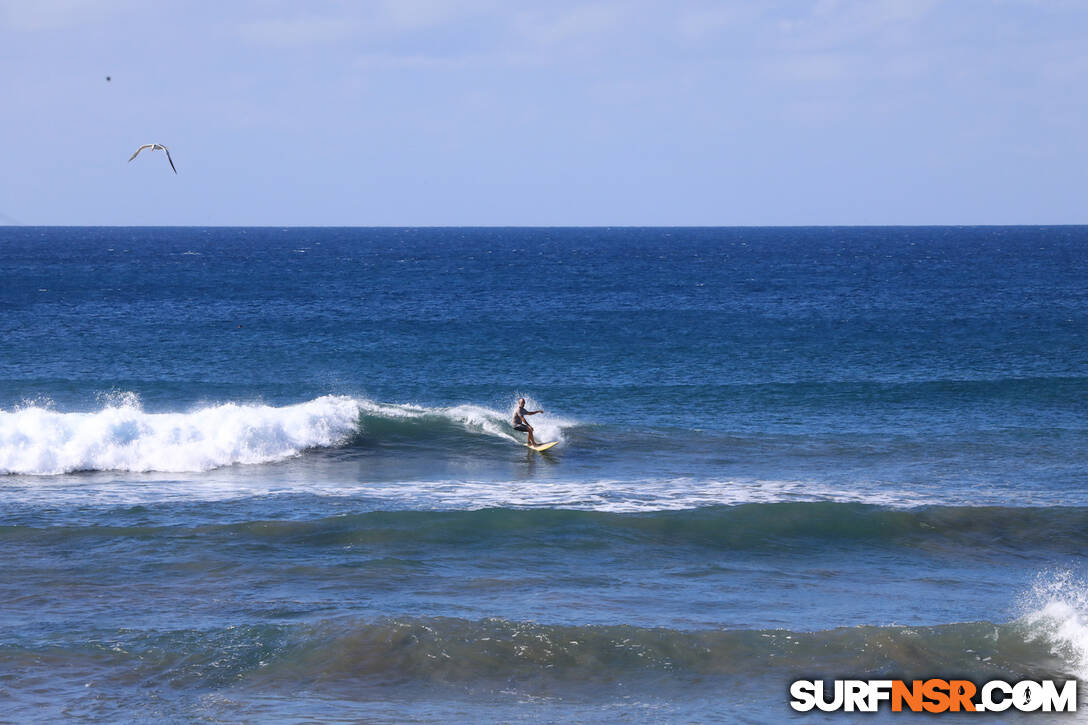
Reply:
x=809, y=68
x=408, y=14
x=412, y=61
x=554, y=28
x=50, y=14
x=834, y=23
x=299, y=31
x=701, y=21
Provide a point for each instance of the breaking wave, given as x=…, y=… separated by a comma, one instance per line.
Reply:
x=121, y=436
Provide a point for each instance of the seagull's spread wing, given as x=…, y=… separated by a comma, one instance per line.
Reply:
x=169, y=159
x=145, y=146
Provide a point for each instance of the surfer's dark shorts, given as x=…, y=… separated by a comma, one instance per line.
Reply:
x=522, y=427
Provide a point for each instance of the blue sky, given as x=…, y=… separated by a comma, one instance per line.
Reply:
x=480, y=112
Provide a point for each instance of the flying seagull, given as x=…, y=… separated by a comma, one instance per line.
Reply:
x=155, y=147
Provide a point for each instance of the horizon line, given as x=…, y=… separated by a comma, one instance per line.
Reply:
x=533, y=226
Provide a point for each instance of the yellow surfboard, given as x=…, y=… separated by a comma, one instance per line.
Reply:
x=542, y=446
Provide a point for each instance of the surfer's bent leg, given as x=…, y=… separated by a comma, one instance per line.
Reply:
x=526, y=428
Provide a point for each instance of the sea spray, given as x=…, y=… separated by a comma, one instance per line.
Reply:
x=1056, y=613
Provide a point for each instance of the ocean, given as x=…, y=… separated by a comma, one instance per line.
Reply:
x=268, y=474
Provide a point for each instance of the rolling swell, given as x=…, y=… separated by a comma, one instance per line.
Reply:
x=448, y=649
x=746, y=526
x=348, y=653
x=753, y=526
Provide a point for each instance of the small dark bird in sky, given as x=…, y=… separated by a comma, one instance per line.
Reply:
x=107, y=78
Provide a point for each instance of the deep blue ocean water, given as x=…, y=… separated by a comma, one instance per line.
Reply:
x=268, y=474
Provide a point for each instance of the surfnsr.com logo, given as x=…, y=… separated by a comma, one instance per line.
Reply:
x=934, y=695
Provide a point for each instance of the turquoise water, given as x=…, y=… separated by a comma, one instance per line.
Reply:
x=269, y=473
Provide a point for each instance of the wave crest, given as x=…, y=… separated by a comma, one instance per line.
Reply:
x=378, y=420
x=122, y=437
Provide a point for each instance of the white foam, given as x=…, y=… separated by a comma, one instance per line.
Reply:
x=1057, y=613
x=37, y=440
x=608, y=495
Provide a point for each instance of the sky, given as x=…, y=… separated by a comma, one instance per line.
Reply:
x=556, y=113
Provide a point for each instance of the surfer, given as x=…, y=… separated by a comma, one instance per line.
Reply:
x=520, y=421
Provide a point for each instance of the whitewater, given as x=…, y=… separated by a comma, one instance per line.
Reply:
x=39, y=441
